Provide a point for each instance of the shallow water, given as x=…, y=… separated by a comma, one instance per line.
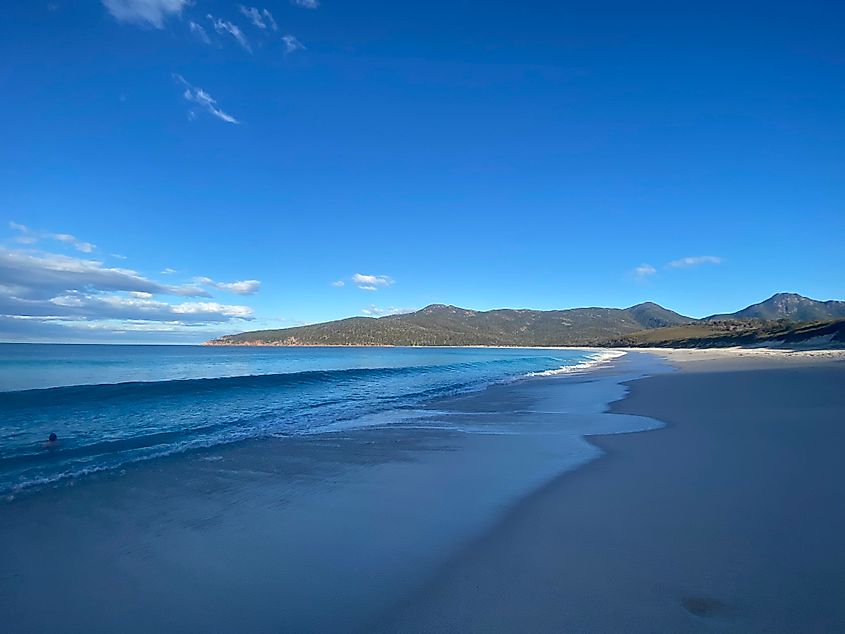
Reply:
x=112, y=405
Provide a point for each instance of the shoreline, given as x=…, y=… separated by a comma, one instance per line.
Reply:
x=279, y=534
x=593, y=359
x=681, y=530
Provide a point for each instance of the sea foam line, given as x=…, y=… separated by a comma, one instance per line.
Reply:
x=594, y=359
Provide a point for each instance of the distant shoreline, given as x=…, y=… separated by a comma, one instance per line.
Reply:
x=730, y=350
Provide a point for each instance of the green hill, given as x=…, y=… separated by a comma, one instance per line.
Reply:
x=442, y=325
x=780, y=318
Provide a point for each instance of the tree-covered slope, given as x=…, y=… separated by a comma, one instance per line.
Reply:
x=643, y=324
x=441, y=325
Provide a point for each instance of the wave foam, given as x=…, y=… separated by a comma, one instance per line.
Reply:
x=593, y=360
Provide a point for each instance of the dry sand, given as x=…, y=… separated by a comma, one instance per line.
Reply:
x=730, y=519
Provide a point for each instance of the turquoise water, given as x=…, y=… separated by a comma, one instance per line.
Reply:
x=111, y=405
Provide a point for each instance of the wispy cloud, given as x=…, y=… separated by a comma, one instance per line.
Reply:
x=371, y=282
x=338, y=283
x=242, y=287
x=145, y=12
x=695, y=261
x=377, y=311
x=198, y=96
x=29, y=236
x=224, y=26
x=199, y=31
x=644, y=271
x=79, y=245
x=306, y=4
x=292, y=44
x=262, y=18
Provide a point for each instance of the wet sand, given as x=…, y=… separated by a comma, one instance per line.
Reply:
x=730, y=519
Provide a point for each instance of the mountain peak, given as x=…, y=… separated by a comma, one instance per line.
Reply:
x=438, y=308
x=791, y=306
x=787, y=296
x=651, y=315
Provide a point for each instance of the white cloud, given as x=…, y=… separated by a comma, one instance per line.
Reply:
x=224, y=26
x=306, y=4
x=203, y=99
x=211, y=309
x=152, y=12
x=376, y=311
x=371, y=282
x=271, y=21
x=292, y=44
x=79, y=245
x=133, y=307
x=199, y=31
x=695, y=261
x=242, y=287
x=29, y=236
x=48, y=274
x=50, y=296
x=168, y=271
x=338, y=283
x=644, y=270
x=261, y=18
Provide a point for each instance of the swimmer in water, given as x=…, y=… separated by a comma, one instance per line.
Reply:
x=52, y=441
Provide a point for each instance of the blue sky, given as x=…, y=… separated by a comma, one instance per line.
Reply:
x=174, y=170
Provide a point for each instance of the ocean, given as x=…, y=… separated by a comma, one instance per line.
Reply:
x=111, y=405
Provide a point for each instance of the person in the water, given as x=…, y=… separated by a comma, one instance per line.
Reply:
x=52, y=441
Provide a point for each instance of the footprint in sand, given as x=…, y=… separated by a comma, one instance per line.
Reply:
x=706, y=607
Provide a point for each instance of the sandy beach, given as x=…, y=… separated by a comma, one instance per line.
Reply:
x=730, y=519
x=706, y=499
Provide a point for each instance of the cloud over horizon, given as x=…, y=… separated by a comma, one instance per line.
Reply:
x=47, y=295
